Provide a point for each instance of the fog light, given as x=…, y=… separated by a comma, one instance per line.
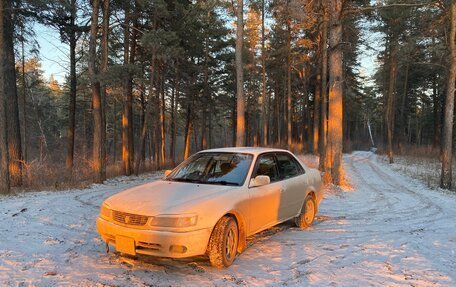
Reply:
x=178, y=249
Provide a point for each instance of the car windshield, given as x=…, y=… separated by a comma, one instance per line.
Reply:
x=213, y=168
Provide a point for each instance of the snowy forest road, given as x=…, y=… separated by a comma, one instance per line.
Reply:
x=389, y=230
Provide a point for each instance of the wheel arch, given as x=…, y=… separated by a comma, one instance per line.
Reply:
x=311, y=191
x=240, y=221
x=242, y=245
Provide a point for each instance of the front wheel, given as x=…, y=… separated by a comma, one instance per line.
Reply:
x=307, y=216
x=223, y=244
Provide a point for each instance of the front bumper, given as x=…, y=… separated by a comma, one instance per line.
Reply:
x=156, y=243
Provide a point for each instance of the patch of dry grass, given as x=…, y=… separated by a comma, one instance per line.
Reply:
x=48, y=175
x=419, y=162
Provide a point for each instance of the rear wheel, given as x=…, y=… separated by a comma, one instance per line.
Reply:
x=307, y=216
x=223, y=244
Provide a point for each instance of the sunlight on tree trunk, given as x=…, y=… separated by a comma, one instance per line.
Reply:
x=127, y=99
x=333, y=165
x=324, y=87
x=10, y=90
x=288, y=103
x=97, y=154
x=4, y=157
x=240, y=124
x=104, y=69
x=447, y=143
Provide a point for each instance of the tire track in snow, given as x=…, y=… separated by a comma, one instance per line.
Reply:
x=410, y=207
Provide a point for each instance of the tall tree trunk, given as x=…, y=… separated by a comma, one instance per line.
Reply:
x=240, y=124
x=446, y=176
x=162, y=120
x=188, y=131
x=389, y=117
x=24, y=97
x=133, y=45
x=317, y=96
x=333, y=163
x=97, y=161
x=436, y=112
x=278, y=118
x=175, y=97
x=4, y=156
x=126, y=149
x=401, y=134
x=265, y=98
x=114, y=132
x=316, y=114
x=324, y=87
x=104, y=68
x=69, y=162
x=288, y=103
x=12, y=108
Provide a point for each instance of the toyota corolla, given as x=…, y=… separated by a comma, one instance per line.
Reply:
x=211, y=203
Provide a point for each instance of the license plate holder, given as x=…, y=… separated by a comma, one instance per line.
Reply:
x=125, y=245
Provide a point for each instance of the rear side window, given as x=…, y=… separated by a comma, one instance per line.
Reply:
x=267, y=166
x=288, y=166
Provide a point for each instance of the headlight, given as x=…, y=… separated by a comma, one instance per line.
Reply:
x=174, y=220
x=105, y=212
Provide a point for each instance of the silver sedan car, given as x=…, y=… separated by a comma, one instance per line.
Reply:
x=211, y=203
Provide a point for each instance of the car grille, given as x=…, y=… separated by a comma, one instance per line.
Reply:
x=129, y=219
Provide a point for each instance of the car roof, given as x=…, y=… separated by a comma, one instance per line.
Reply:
x=250, y=150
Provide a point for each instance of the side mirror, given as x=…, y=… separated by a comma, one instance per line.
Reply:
x=167, y=172
x=260, y=181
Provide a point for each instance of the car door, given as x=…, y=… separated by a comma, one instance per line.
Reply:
x=294, y=187
x=265, y=200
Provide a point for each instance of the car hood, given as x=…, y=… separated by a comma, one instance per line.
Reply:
x=162, y=197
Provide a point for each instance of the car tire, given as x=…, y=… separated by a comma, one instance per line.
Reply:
x=223, y=244
x=307, y=216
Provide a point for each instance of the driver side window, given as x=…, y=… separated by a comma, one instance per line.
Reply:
x=267, y=166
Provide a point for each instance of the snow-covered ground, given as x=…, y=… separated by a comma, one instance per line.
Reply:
x=389, y=230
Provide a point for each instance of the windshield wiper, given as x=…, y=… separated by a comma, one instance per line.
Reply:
x=222, y=182
x=187, y=180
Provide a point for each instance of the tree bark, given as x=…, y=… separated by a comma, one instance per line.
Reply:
x=324, y=87
x=316, y=114
x=265, y=97
x=401, y=133
x=175, y=97
x=288, y=103
x=69, y=162
x=104, y=69
x=133, y=45
x=12, y=108
x=24, y=98
x=205, y=95
x=240, y=123
x=162, y=120
x=447, y=152
x=188, y=131
x=127, y=100
x=96, y=97
x=333, y=163
x=4, y=156
x=436, y=112
x=389, y=117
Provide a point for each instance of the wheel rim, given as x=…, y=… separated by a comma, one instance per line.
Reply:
x=309, y=212
x=230, y=246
